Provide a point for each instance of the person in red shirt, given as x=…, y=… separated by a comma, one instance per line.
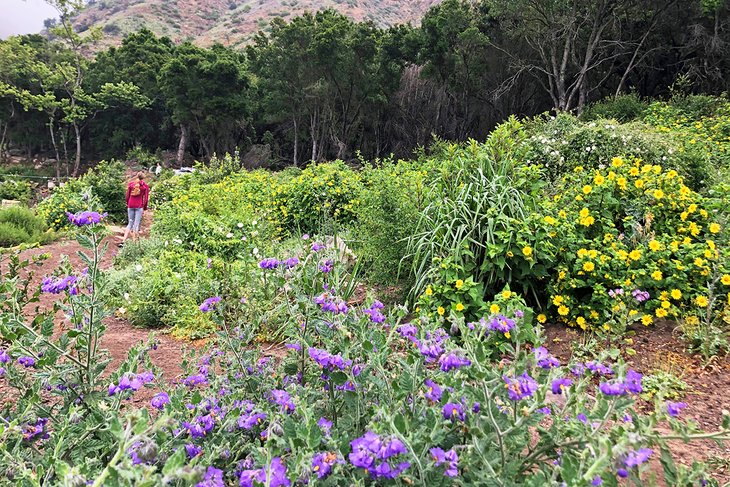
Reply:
x=138, y=194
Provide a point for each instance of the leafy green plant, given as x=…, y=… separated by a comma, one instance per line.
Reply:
x=20, y=225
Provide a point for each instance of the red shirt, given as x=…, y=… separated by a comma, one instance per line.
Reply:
x=140, y=200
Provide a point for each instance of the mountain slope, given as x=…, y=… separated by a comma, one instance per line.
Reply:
x=230, y=22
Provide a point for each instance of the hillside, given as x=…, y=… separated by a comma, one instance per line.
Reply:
x=230, y=22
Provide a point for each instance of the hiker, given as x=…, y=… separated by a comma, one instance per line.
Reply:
x=137, y=196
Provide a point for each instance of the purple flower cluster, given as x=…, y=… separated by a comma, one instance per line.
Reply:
x=640, y=296
x=160, y=400
x=328, y=361
x=210, y=304
x=200, y=426
x=614, y=293
x=408, y=331
x=26, y=361
x=376, y=455
x=558, y=385
x=374, y=312
x=452, y=361
x=316, y=247
x=35, y=430
x=326, y=266
x=449, y=458
x=331, y=304
x=633, y=459
x=193, y=450
x=269, y=264
x=433, y=392
x=499, y=323
x=674, y=408
x=283, y=399
x=597, y=368
x=322, y=463
x=521, y=387
x=196, y=380
x=213, y=478
x=544, y=359
x=273, y=476
x=56, y=286
x=631, y=384
x=142, y=452
x=433, y=346
x=131, y=381
x=85, y=218
x=4, y=359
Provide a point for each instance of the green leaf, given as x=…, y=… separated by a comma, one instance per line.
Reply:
x=175, y=462
x=400, y=423
x=670, y=469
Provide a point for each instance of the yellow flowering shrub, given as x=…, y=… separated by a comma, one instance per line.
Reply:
x=638, y=228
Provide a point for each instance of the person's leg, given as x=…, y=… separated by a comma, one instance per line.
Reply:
x=137, y=223
x=130, y=218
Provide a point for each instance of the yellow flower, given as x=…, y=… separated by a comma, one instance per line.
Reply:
x=582, y=253
x=441, y=310
x=527, y=251
x=676, y=294
x=639, y=183
x=661, y=312
x=658, y=194
x=541, y=318
x=558, y=300
x=510, y=254
x=699, y=262
x=599, y=180
x=621, y=183
x=494, y=309
x=617, y=162
x=633, y=312
x=714, y=227
x=459, y=284
x=589, y=266
x=701, y=301
x=563, y=310
x=594, y=314
x=646, y=320
x=507, y=335
x=692, y=208
x=634, y=171
x=666, y=304
x=429, y=291
x=578, y=169
x=725, y=279
x=459, y=307
x=584, y=213
x=550, y=220
x=655, y=245
x=635, y=254
x=506, y=294
x=657, y=275
x=581, y=322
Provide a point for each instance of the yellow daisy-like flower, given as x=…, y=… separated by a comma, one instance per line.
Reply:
x=634, y=171
x=692, y=208
x=581, y=322
x=639, y=183
x=527, y=251
x=617, y=162
x=594, y=314
x=633, y=312
x=550, y=220
x=563, y=310
x=655, y=245
x=588, y=266
x=506, y=294
x=599, y=180
x=635, y=254
x=661, y=313
x=715, y=228
x=666, y=304
x=647, y=320
x=582, y=253
x=658, y=194
x=541, y=318
x=657, y=275
x=701, y=301
x=429, y=291
x=621, y=183
x=494, y=309
x=558, y=300
x=459, y=307
x=676, y=294
x=584, y=213
x=459, y=284
x=725, y=279
x=441, y=310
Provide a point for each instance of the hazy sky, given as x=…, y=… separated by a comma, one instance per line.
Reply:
x=23, y=16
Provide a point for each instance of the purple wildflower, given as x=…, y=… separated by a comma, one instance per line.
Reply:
x=374, y=312
x=291, y=262
x=632, y=382
x=4, y=357
x=544, y=359
x=328, y=361
x=26, y=361
x=193, y=450
x=521, y=387
x=36, y=430
x=446, y=457
x=160, y=400
x=454, y=410
x=453, y=361
x=269, y=264
x=501, y=324
x=674, y=408
x=210, y=304
x=408, y=331
x=612, y=388
x=326, y=266
x=283, y=399
x=85, y=218
x=294, y=346
x=640, y=296
x=372, y=453
x=56, y=286
x=559, y=384
x=316, y=247
x=322, y=463
x=434, y=392
x=637, y=457
x=213, y=478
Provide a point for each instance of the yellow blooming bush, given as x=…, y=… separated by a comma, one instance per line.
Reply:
x=629, y=226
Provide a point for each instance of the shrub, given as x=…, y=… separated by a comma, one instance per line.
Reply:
x=13, y=189
x=20, y=225
x=623, y=108
x=72, y=197
x=626, y=229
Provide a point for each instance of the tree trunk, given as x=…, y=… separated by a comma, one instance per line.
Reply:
x=55, y=150
x=77, y=162
x=296, y=142
x=183, y=144
x=313, y=130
